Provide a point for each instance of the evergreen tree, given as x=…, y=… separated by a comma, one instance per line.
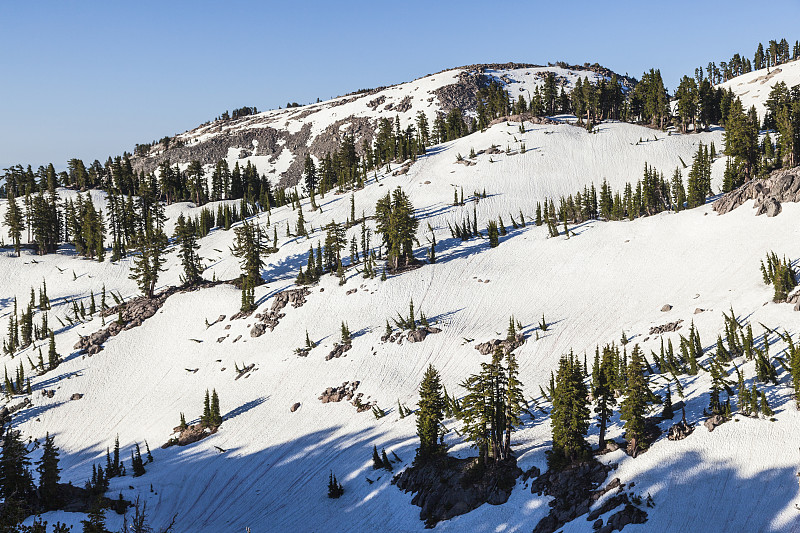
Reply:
x=49, y=474
x=148, y=263
x=187, y=241
x=216, y=416
x=570, y=415
x=637, y=397
x=136, y=462
x=398, y=225
x=429, y=417
x=13, y=220
x=16, y=482
x=603, y=393
x=377, y=463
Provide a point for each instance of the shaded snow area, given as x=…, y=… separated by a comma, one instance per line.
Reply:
x=273, y=473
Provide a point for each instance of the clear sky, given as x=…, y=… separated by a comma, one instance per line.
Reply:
x=93, y=78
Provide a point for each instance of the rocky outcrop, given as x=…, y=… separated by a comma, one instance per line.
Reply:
x=270, y=319
x=338, y=351
x=666, y=328
x=346, y=392
x=713, y=421
x=189, y=435
x=507, y=345
x=450, y=487
x=414, y=335
x=131, y=314
x=574, y=490
x=679, y=431
x=781, y=186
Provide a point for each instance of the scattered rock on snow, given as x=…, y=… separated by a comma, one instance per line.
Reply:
x=338, y=351
x=665, y=308
x=294, y=407
x=713, y=421
x=679, y=431
x=486, y=348
x=76, y=396
x=666, y=328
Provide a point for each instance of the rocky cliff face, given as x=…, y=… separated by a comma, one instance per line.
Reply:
x=781, y=186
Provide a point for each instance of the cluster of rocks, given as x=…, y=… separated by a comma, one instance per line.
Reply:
x=679, y=431
x=466, y=162
x=375, y=102
x=403, y=169
x=507, y=345
x=188, y=435
x=346, y=392
x=338, y=351
x=269, y=320
x=6, y=412
x=133, y=313
x=450, y=486
x=781, y=186
x=666, y=328
x=414, y=335
x=575, y=490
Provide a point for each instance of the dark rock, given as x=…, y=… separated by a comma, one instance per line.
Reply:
x=338, y=351
x=450, y=487
x=611, y=503
x=574, y=490
x=620, y=519
x=294, y=407
x=665, y=308
x=45, y=392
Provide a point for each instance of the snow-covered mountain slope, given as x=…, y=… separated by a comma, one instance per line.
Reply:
x=608, y=277
x=753, y=88
x=277, y=141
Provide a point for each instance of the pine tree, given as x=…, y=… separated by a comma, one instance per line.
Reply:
x=187, y=241
x=49, y=474
x=150, y=260
x=570, y=415
x=346, y=337
x=765, y=408
x=136, y=462
x=395, y=218
x=16, y=481
x=216, y=416
x=603, y=393
x=53, y=358
x=96, y=520
x=205, y=419
x=13, y=220
x=335, y=489
x=429, y=417
x=387, y=464
x=637, y=396
x=377, y=463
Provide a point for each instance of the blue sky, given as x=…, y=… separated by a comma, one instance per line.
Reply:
x=91, y=79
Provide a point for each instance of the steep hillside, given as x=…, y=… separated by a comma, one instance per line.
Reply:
x=277, y=141
x=754, y=87
x=267, y=468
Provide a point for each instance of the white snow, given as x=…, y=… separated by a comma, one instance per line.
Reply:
x=609, y=277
